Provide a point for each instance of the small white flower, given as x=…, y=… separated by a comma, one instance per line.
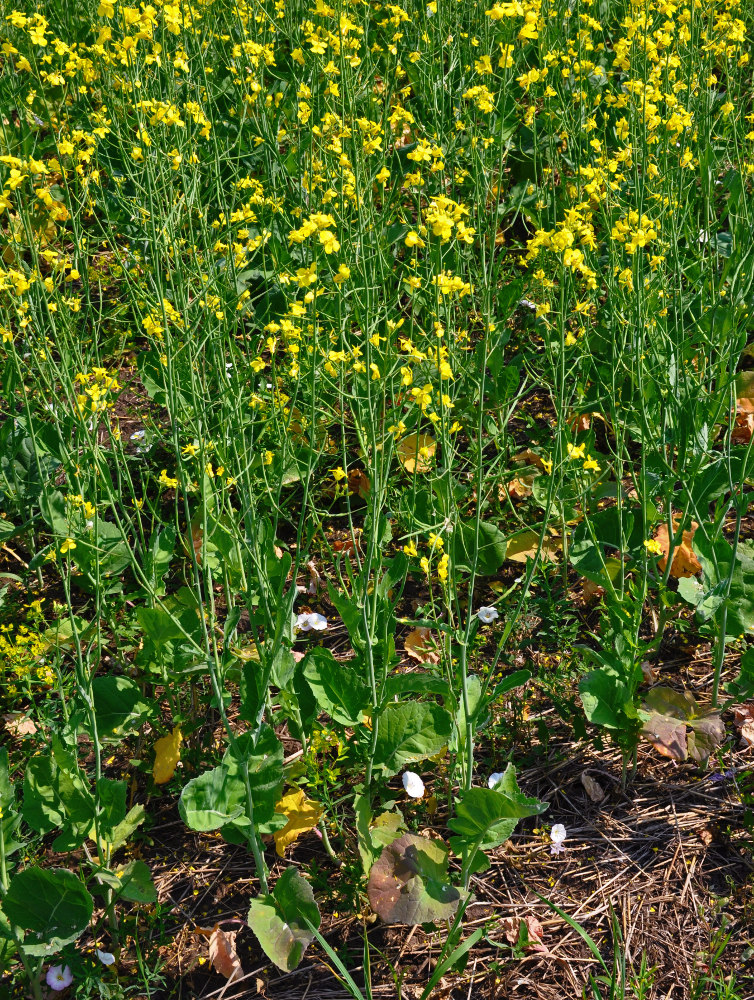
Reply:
x=106, y=957
x=527, y=304
x=138, y=435
x=59, y=977
x=557, y=836
x=307, y=622
x=487, y=615
x=494, y=778
x=413, y=784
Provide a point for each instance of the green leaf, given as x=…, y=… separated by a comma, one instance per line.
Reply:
x=218, y=797
x=338, y=689
x=409, y=732
x=55, y=798
x=159, y=556
x=136, y=883
x=51, y=905
x=486, y=817
x=119, y=707
x=9, y=816
x=409, y=883
x=743, y=686
x=489, y=549
x=281, y=921
x=212, y=800
x=122, y=832
x=606, y=699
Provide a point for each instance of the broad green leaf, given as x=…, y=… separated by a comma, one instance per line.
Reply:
x=409, y=732
x=119, y=707
x=135, y=882
x=10, y=818
x=212, y=799
x=486, y=817
x=338, y=689
x=51, y=905
x=489, y=547
x=280, y=920
x=606, y=700
x=408, y=884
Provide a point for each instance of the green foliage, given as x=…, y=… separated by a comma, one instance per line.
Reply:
x=282, y=920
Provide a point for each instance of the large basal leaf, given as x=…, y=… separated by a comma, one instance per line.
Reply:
x=488, y=547
x=606, y=700
x=486, y=817
x=10, y=819
x=218, y=797
x=409, y=884
x=265, y=764
x=410, y=732
x=51, y=905
x=281, y=920
x=212, y=799
x=337, y=687
x=119, y=707
x=56, y=798
x=678, y=727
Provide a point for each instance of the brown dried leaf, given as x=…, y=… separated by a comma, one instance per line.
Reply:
x=416, y=452
x=511, y=928
x=524, y=544
x=359, y=483
x=684, y=562
x=420, y=646
x=222, y=952
x=592, y=788
x=19, y=725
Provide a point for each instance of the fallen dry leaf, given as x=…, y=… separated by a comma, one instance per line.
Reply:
x=222, y=952
x=19, y=724
x=167, y=753
x=303, y=815
x=511, y=928
x=420, y=646
x=743, y=719
x=592, y=788
x=684, y=561
x=359, y=483
x=416, y=452
x=523, y=545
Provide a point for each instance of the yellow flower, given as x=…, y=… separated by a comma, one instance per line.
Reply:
x=165, y=480
x=67, y=546
x=591, y=464
x=575, y=451
x=652, y=546
x=338, y=474
x=410, y=549
x=442, y=568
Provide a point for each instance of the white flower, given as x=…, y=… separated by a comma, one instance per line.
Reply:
x=59, y=977
x=487, y=615
x=106, y=957
x=138, y=435
x=306, y=622
x=494, y=778
x=557, y=836
x=413, y=784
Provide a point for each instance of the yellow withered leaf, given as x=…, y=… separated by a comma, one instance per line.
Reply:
x=167, y=753
x=303, y=815
x=416, y=452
